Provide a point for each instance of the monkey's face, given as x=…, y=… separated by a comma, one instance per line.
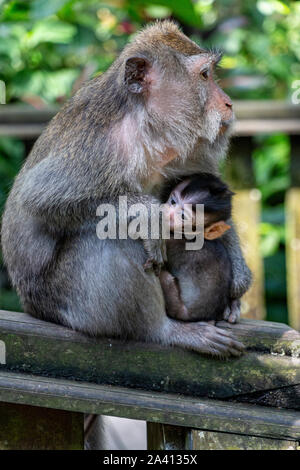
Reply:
x=174, y=102
x=214, y=106
x=180, y=212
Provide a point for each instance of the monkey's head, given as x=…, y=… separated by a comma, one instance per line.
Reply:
x=172, y=99
x=204, y=189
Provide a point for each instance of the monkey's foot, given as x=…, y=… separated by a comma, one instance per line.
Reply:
x=215, y=341
x=232, y=313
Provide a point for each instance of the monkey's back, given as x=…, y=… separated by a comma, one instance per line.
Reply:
x=204, y=277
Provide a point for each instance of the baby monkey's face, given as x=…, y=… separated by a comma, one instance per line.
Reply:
x=180, y=212
x=180, y=209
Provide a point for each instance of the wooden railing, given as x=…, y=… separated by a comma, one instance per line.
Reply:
x=52, y=376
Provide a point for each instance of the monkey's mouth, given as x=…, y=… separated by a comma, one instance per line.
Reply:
x=226, y=125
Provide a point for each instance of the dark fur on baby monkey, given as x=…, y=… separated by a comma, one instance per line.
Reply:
x=196, y=284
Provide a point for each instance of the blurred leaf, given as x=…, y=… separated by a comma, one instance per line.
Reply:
x=44, y=8
x=51, y=30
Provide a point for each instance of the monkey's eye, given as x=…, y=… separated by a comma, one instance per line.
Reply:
x=204, y=74
x=173, y=202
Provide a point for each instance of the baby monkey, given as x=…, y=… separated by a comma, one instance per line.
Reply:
x=196, y=283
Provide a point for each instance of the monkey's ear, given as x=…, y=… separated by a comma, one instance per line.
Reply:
x=216, y=230
x=136, y=69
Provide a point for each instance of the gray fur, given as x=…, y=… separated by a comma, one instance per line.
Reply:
x=90, y=153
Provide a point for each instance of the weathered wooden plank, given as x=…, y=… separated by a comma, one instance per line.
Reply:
x=22, y=131
x=24, y=427
x=244, y=110
x=246, y=214
x=41, y=348
x=292, y=207
x=205, y=440
x=212, y=415
x=265, y=109
x=266, y=126
x=25, y=114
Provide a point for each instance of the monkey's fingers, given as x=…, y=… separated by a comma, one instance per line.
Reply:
x=224, y=343
x=232, y=313
x=148, y=265
x=215, y=341
x=156, y=250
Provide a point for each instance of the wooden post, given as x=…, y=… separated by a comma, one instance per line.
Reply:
x=292, y=207
x=246, y=213
x=24, y=427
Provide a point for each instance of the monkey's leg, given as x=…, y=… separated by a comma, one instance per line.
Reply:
x=117, y=298
x=174, y=305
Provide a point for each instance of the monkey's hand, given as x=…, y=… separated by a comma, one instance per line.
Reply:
x=232, y=312
x=157, y=254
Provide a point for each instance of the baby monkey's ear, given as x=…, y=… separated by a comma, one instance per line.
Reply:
x=216, y=230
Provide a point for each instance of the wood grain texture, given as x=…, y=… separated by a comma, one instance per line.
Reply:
x=292, y=207
x=271, y=362
x=206, y=440
x=246, y=214
x=157, y=407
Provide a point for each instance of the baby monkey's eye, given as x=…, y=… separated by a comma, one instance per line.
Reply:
x=204, y=74
x=173, y=202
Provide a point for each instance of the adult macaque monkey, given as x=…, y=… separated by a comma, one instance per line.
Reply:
x=156, y=113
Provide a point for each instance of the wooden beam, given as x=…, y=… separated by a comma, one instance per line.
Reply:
x=42, y=348
x=206, y=440
x=253, y=117
x=157, y=407
x=266, y=126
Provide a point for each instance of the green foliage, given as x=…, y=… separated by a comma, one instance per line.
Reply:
x=44, y=42
x=11, y=158
x=272, y=172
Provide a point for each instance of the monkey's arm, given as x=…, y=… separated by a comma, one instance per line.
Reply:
x=59, y=192
x=242, y=277
x=65, y=195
